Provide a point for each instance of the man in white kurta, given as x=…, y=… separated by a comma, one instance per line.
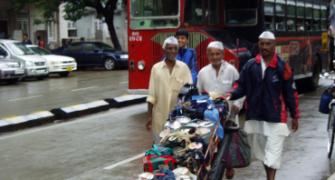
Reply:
x=166, y=79
x=217, y=79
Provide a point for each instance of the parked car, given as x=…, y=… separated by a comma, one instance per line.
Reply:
x=57, y=64
x=11, y=71
x=94, y=54
x=34, y=65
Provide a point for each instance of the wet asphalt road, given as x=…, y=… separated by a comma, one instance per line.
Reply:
x=82, y=148
x=80, y=87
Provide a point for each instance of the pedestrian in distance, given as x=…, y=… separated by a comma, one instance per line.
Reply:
x=26, y=39
x=40, y=42
x=267, y=83
x=186, y=54
x=217, y=79
x=166, y=79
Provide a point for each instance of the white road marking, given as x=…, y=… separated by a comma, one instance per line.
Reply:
x=300, y=95
x=123, y=82
x=83, y=89
x=124, y=161
x=24, y=98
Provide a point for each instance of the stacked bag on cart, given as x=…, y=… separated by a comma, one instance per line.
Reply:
x=185, y=136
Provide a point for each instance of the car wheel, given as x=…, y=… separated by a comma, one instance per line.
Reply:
x=13, y=81
x=109, y=64
x=42, y=77
x=64, y=74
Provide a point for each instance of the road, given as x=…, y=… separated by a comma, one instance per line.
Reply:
x=108, y=145
x=82, y=86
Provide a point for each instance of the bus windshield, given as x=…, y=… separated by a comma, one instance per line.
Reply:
x=240, y=13
x=241, y=17
x=149, y=14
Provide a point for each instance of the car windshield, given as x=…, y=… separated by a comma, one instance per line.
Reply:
x=20, y=49
x=105, y=47
x=40, y=51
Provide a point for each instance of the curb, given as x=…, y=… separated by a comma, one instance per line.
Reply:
x=126, y=100
x=25, y=121
x=80, y=109
x=65, y=113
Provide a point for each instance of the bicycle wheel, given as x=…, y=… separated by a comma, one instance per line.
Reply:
x=217, y=167
x=331, y=131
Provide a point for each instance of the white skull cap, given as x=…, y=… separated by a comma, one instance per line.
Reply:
x=216, y=45
x=170, y=40
x=267, y=35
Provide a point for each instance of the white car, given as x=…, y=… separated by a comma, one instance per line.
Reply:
x=57, y=64
x=34, y=65
x=11, y=71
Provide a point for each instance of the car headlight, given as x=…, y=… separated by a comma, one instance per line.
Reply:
x=124, y=56
x=29, y=63
x=141, y=65
x=55, y=62
x=13, y=65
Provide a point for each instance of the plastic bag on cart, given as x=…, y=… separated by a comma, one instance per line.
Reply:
x=186, y=92
x=325, y=99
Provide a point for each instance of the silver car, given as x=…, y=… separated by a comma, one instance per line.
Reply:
x=11, y=71
x=34, y=65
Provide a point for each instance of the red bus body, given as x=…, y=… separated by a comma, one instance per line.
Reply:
x=305, y=51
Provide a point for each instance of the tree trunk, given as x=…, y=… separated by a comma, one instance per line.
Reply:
x=109, y=17
x=112, y=32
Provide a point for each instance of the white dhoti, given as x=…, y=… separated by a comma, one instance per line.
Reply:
x=267, y=141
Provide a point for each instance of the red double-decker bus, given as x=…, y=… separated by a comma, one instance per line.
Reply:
x=300, y=27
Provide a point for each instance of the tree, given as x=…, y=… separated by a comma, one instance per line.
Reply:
x=75, y=9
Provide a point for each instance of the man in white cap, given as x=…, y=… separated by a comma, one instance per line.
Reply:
x=267, y=83
x=166, y=79
x=217, y=79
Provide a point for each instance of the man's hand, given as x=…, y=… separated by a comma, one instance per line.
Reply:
x=295, y=125
x=149, y=123
x=227, y=96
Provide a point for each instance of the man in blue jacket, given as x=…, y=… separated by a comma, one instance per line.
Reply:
x=187, y=55
x=267, y=83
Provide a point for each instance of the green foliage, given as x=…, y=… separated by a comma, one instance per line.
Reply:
x=74, y=10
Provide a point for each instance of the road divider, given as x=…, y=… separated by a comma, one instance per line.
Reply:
x=25, y=121
x=65, y=113
x=80, y=109
x=126, y=100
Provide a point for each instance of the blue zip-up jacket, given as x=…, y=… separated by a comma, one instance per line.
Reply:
x=188, y=56
x=267, y=98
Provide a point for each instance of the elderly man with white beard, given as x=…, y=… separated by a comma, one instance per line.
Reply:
x=167, y=78
x=217, y=79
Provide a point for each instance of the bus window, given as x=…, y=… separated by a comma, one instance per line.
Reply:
x=201, y=12
x=213, y=13
x=280, y=9
x=290, y=22
x=280, y=15
x=147, y=14
x=240, y=13
x=324, y=18
x=290, y=25
x=300, y=10
x=194, y=12
x=309, y=11
x=316, y=18
x=269, y=12
x=291, y=9
x=268, y=8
